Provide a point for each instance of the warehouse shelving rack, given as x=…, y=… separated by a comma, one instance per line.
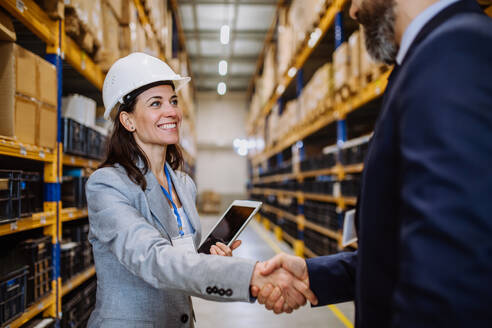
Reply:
x=334, y=114
x=59, y=47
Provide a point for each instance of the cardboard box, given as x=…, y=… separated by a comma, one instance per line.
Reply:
x=7, y=31
x=116, y=7
x=168, y=45
x=25, y=120
x=46, y=126
x=109, y=51
x=25, y=71
x=341, y=64
x=354, y=49
x=47, y=80
x=54, y=8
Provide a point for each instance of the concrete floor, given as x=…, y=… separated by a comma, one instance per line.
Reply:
x=260, y=244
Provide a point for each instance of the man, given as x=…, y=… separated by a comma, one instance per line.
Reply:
x=425, y=209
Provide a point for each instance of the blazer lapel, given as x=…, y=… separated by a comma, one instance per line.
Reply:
x=159, y=207
x=188, y=205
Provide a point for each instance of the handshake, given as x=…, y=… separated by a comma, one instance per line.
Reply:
x=282, y=284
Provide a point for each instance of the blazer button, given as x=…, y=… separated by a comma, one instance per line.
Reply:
x=209, y=290
x=215, y=290
x=228, y=292
x=221, y=292
x=184, y=318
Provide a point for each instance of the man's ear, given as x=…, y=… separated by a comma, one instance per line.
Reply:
x=126, y=121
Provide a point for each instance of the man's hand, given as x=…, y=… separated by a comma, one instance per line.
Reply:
x=269, y=295
x=291, y=284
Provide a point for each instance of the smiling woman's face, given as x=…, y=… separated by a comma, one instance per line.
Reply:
x=157, y=116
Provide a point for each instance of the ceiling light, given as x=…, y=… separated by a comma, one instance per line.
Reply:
x=223, y=67
x=221, y=88
x=224, y=34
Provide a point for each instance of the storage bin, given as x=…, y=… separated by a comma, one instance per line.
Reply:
x=74, y=137
x=10, y=197
x=31, y=187
x=73, y=192
x=12, y=294
x=38, y=257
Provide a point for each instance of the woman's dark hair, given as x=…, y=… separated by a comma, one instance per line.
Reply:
x=124, y=150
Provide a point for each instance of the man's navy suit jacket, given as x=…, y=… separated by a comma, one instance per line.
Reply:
x=425, y=208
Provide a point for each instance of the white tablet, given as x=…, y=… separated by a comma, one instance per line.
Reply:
x=231, y=224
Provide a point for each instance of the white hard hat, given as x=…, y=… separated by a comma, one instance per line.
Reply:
x=132, y=72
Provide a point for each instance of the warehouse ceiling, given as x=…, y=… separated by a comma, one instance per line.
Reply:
x=248, y=22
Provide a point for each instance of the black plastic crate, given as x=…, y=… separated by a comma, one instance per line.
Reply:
x=74, y=137
x=73, y=192
x=350, y=186
x=31, y=189
x=70, y=260
x=78, y=233
x=13, y=294
x=94, y=143
x=39, y=258
x=10, y=196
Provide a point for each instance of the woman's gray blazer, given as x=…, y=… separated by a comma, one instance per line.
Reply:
x=142, y=281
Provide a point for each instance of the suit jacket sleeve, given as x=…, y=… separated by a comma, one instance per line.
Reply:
x=445, y=262
x=332, y=278
x=142, y=250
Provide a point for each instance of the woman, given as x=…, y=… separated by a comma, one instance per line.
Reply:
x=144, y=227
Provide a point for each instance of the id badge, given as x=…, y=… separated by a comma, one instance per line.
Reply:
x=185, y=243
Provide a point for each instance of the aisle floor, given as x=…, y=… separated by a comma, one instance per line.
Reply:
x=261, y=244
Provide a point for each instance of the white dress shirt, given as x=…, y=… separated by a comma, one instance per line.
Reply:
x=417, y=24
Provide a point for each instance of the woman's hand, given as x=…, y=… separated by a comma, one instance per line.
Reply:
x=223, y=250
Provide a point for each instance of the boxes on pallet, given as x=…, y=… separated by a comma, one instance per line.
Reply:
x=109, y=51
x=317, y=93
x=7, y=31
x=27, y=83
x=355, y=62
x=269, y=71
x=303, y=14
x=54, y=8
x=341, y=66
x=168, y=35
x=119, y=9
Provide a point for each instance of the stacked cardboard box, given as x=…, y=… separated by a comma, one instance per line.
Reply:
x=271, y=136
x=28, y=96
x=83, y=22
x=341, y=66
x=269, y=72
x=303, y=15
x=354, y=43
x=317, y=95
x=110, y=48
x=285, y=43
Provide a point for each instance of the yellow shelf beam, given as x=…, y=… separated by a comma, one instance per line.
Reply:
x=341, y=201
x=149, y=28
x=288, y=237
x=280, y=212
x=79, y=60
x=37, y=220
x=72, y=213
x=12, y=147
x=78, y=280
x=309, y=252
x=34, y=18
x=324, y=231
x=33, y=311
x=78, y=161
x=303, y=55
x=354, y=168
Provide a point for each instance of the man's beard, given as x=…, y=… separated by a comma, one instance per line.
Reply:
x=378, y=19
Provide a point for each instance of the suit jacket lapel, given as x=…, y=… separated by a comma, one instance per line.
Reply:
x=159, y=207
x=188, y=205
